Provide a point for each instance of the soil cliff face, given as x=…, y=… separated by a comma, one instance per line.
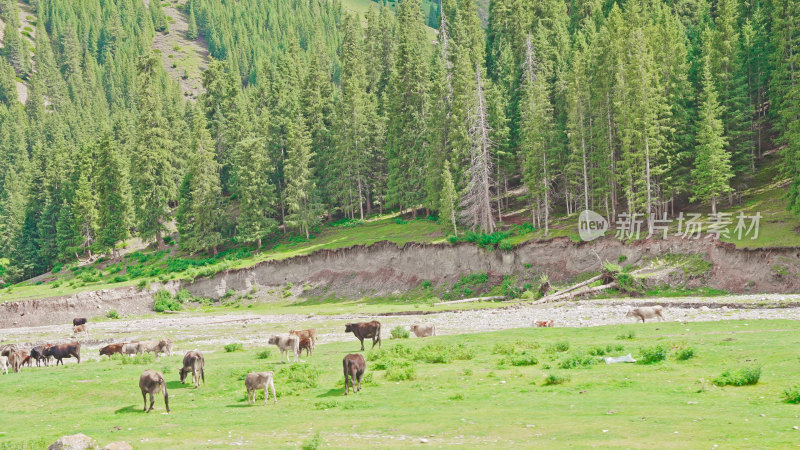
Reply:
x=384, y=268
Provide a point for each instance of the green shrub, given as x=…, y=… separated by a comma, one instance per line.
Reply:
x=263, y=354
x=739, y=377
x=399, y=332
x=400, y=221
x=577, y=360
x=558, y=347
x=315, y=442
x=553, y=379
x=652, y=355
x=629, y=335
x=163, y=301
x=520, y=359
x=144, y=358
x=112, y=314
x=443, y=354
x=607, y=350
x=505, y=245
x=302, y=375
x=792, y=394
x=234, y=347
x=400, y=372
x=684, y=354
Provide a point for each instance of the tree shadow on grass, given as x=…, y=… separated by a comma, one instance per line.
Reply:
x=129, y=410
x=178, y=385
x=242, y=405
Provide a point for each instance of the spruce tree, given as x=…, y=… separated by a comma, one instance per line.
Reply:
x=712, y=168
x=201, y=212
x=301, y=195
x=114, y=199
x=408, y=107
x=448, y=200
x=150, y=172
x=191, y=32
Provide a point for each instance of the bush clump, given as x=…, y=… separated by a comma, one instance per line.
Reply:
x=302, y=375
x=144, y=358
x=520, y=359
x=558, y=347
x=744, y=376
x=113, y=314
x=400, y=332
x=400, y=371
x=553, y=379
x=163, y=301
x=577, y=360
x=263, y=354
x=685, y=354
x=652, y=355
x=443, y=354
x=792, y=394
x=234, y=347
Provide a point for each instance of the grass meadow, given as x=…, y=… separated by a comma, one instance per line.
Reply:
x=516, y=387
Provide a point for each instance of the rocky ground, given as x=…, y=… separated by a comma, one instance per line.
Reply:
x=208, y=332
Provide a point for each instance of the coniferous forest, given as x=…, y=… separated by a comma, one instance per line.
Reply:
x=310, y=113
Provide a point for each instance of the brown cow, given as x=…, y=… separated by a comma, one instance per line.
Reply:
x=111, y=349
x=365, y=330
x=310, y=333
x=354, y=367
x=193, y=362
x=152, y=382
x=305, y=344
x=61, y=351
x=543, y=323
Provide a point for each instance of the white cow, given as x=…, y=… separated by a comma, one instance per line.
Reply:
x=423, y=329
x=286, y=343
x=258, y=380
x=4, y=364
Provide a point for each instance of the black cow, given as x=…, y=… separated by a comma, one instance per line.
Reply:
x=365, y=330
x=78, y=321
x=354, y=367
x=37, y=353
x=61, y=351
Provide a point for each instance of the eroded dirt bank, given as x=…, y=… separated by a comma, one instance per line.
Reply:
x=385, y=268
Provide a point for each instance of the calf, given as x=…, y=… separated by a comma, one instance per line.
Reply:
x=193, y=361
x=305, y=344
x=80, y=329
x=37, y=353
x=286, y=344
x=152, y=382
x=423, y=330
x=646, y=312
x=4, y=364
x=354, y=367
x=257, y=380
x=111, y=349
x=78, y=321
x=15, y=360
x=61, y=351
x=543, y=323
x=311, y=333
x=157, y=347
x=365, y=330
x=130, y=348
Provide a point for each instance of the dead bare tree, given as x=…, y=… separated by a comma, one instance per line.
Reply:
x=477, y=202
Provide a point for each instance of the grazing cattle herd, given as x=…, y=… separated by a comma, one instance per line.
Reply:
x=152, y=382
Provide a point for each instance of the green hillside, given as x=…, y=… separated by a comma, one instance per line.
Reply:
x=514, y=119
